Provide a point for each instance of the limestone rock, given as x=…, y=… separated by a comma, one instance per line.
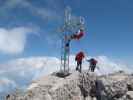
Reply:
x=79, y=86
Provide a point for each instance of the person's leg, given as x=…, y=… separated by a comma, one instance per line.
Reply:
x=80, y=66
x=94, y=68
x=77, y=67
x=91, y=67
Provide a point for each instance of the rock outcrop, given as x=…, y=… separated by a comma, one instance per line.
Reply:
x=79, y=86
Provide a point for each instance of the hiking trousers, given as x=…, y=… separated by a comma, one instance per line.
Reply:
x=79, y=66
x=92, y=67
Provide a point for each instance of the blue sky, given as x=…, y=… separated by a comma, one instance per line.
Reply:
x=108, y=26
x=30, y=43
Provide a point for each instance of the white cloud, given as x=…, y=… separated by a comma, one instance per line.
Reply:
x=107, y=65
x=35, y=64
x=12, y=41
x=44, y=13
x=22, y=71
x=6, y=84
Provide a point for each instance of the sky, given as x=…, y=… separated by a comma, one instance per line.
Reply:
x=29, y=33
x=30, y=27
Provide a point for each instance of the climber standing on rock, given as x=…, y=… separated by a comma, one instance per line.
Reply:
x=79, y=57
x=93, y=62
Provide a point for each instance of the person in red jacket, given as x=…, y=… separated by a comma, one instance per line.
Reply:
x=79, y=57
x=78, y=35
x=93, y=62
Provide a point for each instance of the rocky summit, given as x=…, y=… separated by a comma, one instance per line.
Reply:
x=79, y=86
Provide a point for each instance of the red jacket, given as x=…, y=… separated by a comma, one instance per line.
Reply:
x=79, y=35
x=79, y=56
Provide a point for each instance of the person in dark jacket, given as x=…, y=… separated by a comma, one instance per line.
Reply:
x=93, y=62
x=79, y=57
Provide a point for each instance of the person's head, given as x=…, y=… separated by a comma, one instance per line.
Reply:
x=92, y=59
x=81, y=52
x=81, y=30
